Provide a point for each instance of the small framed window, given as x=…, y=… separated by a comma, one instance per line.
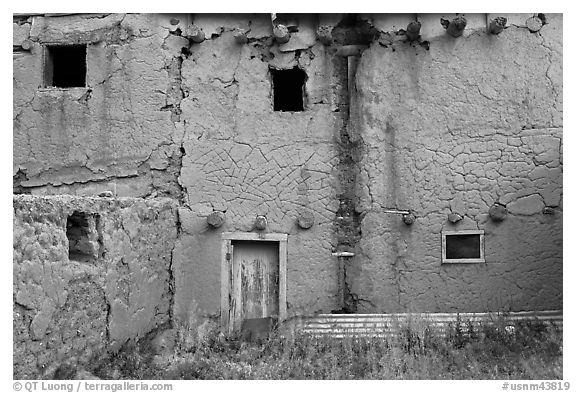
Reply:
x=288, y=86
x=466, y=246
x=65, y=66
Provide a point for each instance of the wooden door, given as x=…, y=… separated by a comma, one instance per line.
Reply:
x=254, y=280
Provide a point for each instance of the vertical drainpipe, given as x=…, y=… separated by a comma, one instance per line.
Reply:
x=347, y=215
x=352, y=66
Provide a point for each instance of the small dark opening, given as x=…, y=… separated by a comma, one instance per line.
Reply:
x=82, y=237
x=462, y=246
x=288, y=89
x=66, y=66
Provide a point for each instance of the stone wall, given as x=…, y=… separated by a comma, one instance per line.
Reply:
x=75, y=308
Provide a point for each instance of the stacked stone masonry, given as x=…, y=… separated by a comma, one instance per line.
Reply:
x=177, y=126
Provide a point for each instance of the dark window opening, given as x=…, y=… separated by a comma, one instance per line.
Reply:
x=463, y=246
x=84, y=240
x=288, y=89
x=65, y=66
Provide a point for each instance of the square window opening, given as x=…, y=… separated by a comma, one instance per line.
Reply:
x=65, y=66
x=288, y=89
x=84, y=237
x=463, y=246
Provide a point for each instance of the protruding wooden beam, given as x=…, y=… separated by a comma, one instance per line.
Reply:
x=241, y=36
x=497, y=25
x=260, y=223
x=454, y=217
x=215, y=219
x=413, y=30
x=281, y=34
x=408, y=218
x=194, y=33
x=306, y=220
x=534, y=24
x=324, y=34
x=497, y=212
x=455, y=27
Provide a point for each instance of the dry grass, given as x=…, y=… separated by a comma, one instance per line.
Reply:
x=525, y=350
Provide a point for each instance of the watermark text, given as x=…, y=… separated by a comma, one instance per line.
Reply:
x=90, y=386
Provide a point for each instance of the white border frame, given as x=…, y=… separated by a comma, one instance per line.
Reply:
x=226, y=266
x=480, y=232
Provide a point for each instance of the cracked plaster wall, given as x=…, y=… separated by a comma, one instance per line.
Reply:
x=116, y=133
x=471, y=122
x=244, y=159
x=67, y=309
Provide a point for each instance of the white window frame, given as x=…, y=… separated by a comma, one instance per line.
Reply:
x=463, y=260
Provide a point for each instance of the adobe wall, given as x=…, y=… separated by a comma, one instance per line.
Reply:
x=245, y=159
x=467, y=124
x=65, y=309
x=115, y=134
x=443, y=125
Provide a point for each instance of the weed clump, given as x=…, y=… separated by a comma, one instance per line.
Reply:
x=419, y=350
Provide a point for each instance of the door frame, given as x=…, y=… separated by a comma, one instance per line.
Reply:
x=226, y=271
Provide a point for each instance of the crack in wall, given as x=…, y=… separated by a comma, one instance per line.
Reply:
x=171, y=278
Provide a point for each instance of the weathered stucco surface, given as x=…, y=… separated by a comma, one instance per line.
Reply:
x=244, y=159
x=439, y=127
x=65, y=308
x=468, y=123
x=116, y=133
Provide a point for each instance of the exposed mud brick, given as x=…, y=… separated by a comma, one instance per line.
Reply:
x=65, y=307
